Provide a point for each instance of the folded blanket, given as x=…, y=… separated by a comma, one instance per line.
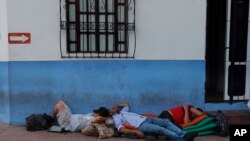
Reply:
x=209, y=126
x=203, y=122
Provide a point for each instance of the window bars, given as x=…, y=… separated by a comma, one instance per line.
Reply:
x=97, y=28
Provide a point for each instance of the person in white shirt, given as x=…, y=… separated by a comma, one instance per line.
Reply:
x=76, y=122
x=139, y=124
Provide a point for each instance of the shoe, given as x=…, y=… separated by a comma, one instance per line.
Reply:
x=57, y=129
x=190, y=136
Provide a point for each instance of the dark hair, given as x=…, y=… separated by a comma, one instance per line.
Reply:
x=199, y=109
x=102, y=111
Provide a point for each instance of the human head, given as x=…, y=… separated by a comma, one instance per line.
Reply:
x=102, y=111
x=196, y=112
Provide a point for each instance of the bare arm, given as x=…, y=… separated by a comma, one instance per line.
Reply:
x=121, y=105
x=186, y=114
x=133, y=131
x=98, y=119
x=196, y=112
x=193, y=111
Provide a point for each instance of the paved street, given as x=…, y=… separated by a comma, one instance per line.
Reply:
x=19, y=133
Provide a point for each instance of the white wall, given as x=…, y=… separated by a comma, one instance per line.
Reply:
x=171, y=29
x=4, y=53
x=41, y=19
x=166, y=29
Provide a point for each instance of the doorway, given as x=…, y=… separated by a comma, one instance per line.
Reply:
x=215, y=50
x=227, y=56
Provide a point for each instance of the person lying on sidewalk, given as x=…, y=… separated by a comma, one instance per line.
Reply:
x=182, y=114
x=76, y=122
x=128, y=122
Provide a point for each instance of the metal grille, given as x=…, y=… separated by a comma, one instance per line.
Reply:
x=97, y=28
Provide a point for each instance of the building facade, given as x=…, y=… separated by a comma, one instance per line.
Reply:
x=42, y=62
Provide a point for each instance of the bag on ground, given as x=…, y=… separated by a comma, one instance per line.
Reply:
x=37, y=122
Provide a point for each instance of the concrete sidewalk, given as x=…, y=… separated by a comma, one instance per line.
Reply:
x=19, y=133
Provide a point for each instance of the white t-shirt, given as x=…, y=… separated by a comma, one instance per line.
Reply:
x=80, y=121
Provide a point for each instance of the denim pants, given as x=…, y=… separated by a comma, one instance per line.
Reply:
x=162, y=127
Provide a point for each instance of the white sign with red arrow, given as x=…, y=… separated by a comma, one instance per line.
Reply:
x=19, y=38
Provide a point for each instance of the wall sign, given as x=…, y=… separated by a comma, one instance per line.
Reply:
x=19, y=38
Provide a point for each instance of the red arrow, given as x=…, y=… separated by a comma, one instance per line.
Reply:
x=19, y=38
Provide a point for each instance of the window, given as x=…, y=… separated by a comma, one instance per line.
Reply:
x=97, y=28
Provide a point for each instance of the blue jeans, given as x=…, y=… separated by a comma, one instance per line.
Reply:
x=162, y=127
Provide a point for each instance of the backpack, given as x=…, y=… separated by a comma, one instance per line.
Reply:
x=222, y=124
x=37, y=122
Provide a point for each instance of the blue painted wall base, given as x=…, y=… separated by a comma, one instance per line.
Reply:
x=4, y=93
x=148, y=86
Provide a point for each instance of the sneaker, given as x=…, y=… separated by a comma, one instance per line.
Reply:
x=57, y=129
